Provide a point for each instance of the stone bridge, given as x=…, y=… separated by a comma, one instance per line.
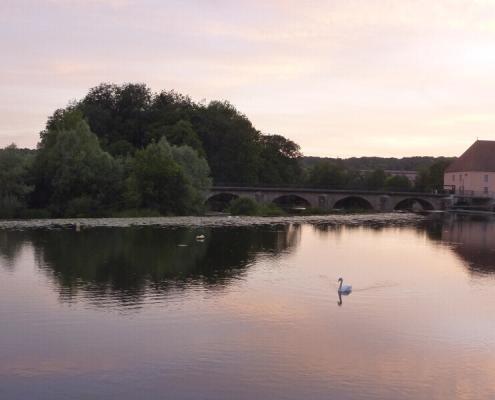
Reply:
x=328, y=199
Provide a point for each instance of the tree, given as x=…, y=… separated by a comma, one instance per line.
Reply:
x=244, y=206
x=436, y=172
x=157, y=181
x=118, y=113
x=280, y=160
x=197, y=174
x=375, y=180
x=398, y=183
x=327, y=174
x=431, y=178
x=181, y=133
x=127, y=118
x=231, y=143
x=14, y=185
x=74, y=176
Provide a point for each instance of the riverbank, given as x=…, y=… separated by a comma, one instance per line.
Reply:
x=214, y=221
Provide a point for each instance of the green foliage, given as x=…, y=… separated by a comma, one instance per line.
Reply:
x=118, y=113
x=270, y=210
x=375, y=180
x=194, y=167
x=197, y=174
x=372, y=163
x=248, y=206
x=231, y=143
x=157, y=181
x=136, y=213
x=74, y=176
x=244, y=206
x=14, y=180
x=170, y=179
x=327, y=174
x=315, y=211
x=430, y=179
x=179, y=134
x=129, y=117
x=280, y=160
x=398, y=183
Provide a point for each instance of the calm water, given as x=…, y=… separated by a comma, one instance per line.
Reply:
x=251, y=312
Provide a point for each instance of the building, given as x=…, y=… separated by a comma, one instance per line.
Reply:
x=473, y=173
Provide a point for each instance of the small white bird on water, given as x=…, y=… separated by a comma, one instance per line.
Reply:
x=344, y=289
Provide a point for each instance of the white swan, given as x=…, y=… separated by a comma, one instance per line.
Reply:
x=344, y=289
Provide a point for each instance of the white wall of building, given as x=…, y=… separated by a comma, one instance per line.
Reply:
x=472, y=183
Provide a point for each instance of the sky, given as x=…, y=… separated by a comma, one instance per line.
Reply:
x=341, y=78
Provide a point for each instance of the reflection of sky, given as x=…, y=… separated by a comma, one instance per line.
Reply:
x=415, y=327
x=417, y=74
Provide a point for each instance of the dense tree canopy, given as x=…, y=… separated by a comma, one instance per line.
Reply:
x=14, y=180
x=398, y=183
x=128, y=118
x=281, y=161
x=232, y=145
x=73, y=174
x=431, y=178
x=156, y=180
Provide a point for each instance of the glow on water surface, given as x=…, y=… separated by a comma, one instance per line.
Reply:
x=250, y=312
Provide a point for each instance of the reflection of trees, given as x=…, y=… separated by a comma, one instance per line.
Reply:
x=124, y=263
x=10, y=247
x=325, y=229
x=473, y=239
x=433, y=229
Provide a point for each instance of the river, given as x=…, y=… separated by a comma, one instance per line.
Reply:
x=142, y=308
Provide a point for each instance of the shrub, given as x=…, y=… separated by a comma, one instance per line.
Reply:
x=244, y=206
x=136, y=213
x=270, y=210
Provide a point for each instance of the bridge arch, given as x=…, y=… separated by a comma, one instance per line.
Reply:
x=220, y=201
x=288, y=201
x=353, y=203
x=411, y=203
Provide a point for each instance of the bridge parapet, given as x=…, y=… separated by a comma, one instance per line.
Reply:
x=328, y=199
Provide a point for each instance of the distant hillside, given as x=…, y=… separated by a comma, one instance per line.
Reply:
x=372, y=163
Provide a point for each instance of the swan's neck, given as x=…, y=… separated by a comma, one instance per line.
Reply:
x=340, y=286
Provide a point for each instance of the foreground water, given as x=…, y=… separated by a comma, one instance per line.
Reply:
x=128, y=309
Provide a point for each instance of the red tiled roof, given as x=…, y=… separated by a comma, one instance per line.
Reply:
x=479, y=157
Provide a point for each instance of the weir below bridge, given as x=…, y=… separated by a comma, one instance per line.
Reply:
x=328, y=199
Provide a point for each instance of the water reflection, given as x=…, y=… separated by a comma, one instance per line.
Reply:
x=10, y=247
x=249, y=311
x=473, y=240
x=125, y=263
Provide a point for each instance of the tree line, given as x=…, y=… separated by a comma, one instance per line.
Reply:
x=124, y=150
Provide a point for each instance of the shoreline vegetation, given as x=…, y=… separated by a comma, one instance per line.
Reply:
x=125, y=151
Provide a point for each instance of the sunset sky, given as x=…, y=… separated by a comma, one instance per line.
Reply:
x=341, y=78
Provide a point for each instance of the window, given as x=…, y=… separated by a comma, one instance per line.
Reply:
x=486, y=178
x=485, y=190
